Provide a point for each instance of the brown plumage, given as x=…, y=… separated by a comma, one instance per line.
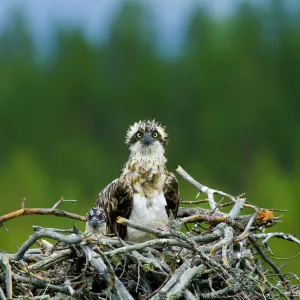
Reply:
x=145, y=192
x=116, y=199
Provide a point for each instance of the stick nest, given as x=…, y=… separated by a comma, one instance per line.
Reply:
x=217, y=256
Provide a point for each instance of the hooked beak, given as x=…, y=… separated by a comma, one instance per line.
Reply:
x=95, y=222
x=147, y=139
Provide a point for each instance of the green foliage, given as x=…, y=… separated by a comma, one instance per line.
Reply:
x=230, y=102
x=116, y=260
x=148, y=267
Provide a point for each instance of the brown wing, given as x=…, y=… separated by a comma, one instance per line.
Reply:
x=117, y=200
x=171, y=193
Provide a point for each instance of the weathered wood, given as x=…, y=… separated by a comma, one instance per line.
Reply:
x=184, y=280
x=8, y=275
x=53, y=259
x=101, y=267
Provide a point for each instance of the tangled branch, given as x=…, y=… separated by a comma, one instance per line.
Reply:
x=227, y=259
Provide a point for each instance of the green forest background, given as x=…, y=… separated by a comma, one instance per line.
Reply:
x=230, y=101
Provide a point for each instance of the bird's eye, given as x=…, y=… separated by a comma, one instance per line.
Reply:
x=155, y=134
x=139, y=135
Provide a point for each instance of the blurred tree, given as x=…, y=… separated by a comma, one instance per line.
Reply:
x=230, y=101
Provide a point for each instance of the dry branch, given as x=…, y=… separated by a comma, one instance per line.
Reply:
x=98, y=263
x=40, y=211
x=60, y=201
x=209, y=191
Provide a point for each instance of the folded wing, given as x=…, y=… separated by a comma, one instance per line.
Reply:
x=171, y=193
x=116, y=200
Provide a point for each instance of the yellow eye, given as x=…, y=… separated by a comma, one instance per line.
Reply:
x=139, y=135
x=155, y=134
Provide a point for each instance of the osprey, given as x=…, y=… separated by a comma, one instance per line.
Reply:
x=95, y=222
x=145, y=192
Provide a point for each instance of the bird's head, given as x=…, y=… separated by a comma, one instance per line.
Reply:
x=95, y=217
x=146, y=137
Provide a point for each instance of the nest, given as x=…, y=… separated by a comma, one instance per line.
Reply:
x=228, y=259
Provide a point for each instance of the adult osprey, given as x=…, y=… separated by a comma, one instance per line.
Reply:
x=145, y=192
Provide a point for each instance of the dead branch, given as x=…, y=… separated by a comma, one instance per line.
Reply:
x=60, y=201
x=151, y=243
x=71, y=239
x=185, y=279
x=156, y=232
x=204, y=189
x=280, y=235
x=198, y=214
x=278, y=272
x=40, y=211
x=52, y=260
x=40, y=283
x=193, y=201
x=98, y=263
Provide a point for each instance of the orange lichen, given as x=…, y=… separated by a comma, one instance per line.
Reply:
x=264, y=216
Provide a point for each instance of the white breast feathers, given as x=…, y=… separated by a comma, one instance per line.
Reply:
x=146, y=212
x=146, y=174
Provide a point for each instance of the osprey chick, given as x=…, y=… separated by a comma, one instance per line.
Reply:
x=145, y=192
x=95, y=222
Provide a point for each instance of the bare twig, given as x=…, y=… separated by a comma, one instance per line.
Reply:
x=204, y=218
x=280, y=235
x=151, y=261
x=101, y=267
x=228, y=237
x=41, y=283
x=38, y=228
x=286, y=258
x=71, y=239
x=156, y=232
x=53, y=259
x=40, y=211
x=212, y=220
x=185, y=212
x=218, y=294
x=238, y=206
x=193, y=201
x=165, y=234
x=270, y=263
x=113, y=277
x=179, y=281
x=60, y=201
x=185, y=279
x=247, y=228
x=171, y=282
x=151, y=243
x=204, y=189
